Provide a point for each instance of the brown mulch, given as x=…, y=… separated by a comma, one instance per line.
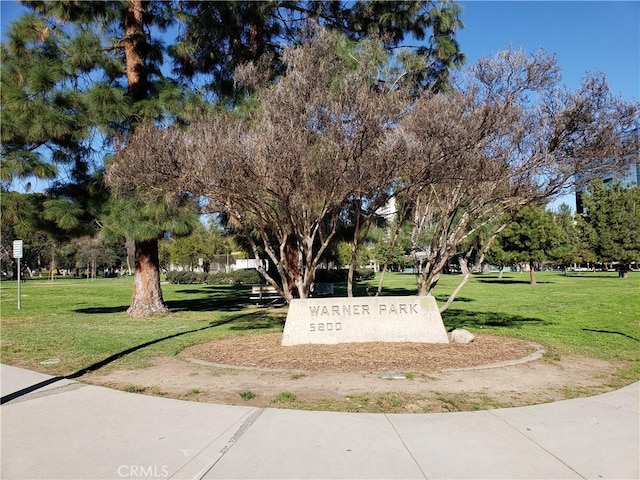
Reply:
x=265, y=351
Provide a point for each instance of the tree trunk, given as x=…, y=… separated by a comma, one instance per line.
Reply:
x=352, y=264
x=134, y=62
x=147, y=295
x=292, y=254
x=354, y=249
x=532, y=273
x=466, y=275
x=53, y=265
x=131, y=253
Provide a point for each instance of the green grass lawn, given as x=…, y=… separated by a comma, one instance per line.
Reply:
x=591, y=314
x=82, y=322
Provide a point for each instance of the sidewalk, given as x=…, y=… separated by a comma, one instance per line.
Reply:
x=71, y=430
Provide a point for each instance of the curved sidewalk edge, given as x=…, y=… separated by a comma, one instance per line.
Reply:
x=71, y=430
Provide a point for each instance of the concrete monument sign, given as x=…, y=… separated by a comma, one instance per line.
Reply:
x=364, y=319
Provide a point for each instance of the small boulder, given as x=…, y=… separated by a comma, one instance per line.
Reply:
x=460, y=335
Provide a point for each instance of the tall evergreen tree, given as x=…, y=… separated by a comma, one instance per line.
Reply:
x=566, y=251
x=612, y=221
x=531, y=237
x=78, y=77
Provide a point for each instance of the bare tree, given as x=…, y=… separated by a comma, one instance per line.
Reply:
x=506, y=137
x=284, y=170
x=318, y=138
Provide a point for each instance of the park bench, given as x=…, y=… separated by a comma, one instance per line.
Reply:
x=265, y=295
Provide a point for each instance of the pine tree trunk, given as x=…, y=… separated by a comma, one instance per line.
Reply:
x=135, y=66
x=147, y=295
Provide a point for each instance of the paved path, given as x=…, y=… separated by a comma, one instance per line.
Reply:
x=67, y=429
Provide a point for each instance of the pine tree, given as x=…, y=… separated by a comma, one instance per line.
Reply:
x=531, y=237
x=219, y=36
x=612, y=221
x=78, y=77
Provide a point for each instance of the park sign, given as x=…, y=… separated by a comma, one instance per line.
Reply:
x=17, y=254
x=364, y=319
x=17, y=249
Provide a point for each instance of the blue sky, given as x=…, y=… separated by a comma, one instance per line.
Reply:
x=585, y=36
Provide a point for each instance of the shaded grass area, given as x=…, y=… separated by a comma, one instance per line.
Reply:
x=71, y=324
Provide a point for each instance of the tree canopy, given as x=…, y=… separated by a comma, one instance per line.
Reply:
x=531, y=237
x=327, y=132
x=286, y=169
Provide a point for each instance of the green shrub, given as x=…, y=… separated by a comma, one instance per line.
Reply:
x=185, y=277
x=237, y=277
x=249, y=276
x=341, y=275
x=362, y=274
x=220, y=278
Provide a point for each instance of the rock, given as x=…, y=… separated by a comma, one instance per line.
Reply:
x=460, y=335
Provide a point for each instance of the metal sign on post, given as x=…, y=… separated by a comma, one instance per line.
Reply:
x=17, y=254
x=17, y=249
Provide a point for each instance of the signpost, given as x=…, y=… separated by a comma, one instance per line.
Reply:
x=17, y=254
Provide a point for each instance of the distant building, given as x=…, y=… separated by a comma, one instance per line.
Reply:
x=388, y=211
x=629, y=178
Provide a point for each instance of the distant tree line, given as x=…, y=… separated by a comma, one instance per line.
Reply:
x=606, y=236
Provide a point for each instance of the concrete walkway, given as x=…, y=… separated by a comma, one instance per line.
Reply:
x=66, y=429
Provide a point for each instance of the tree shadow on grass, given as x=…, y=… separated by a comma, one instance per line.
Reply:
x=99, y=310
x=463, y=318
x=225, y=299
x=261, y=320
x=244, y=324
x=444, y=298
x=509, y=281
x=587, y=275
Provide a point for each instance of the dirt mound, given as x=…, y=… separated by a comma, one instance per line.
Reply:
x=264, y=351
x=255, y=370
